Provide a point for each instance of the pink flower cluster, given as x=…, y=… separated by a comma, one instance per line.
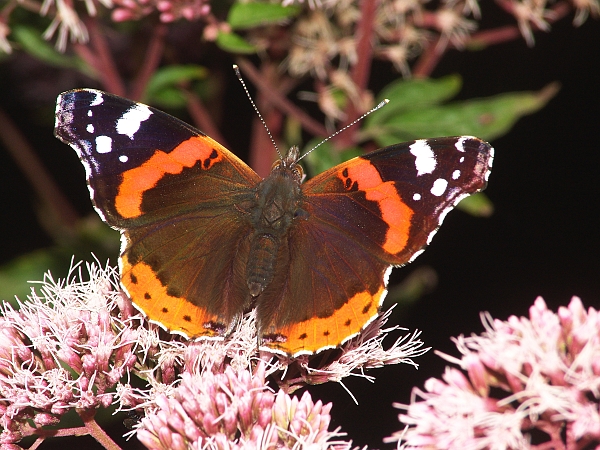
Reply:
x=529, y=383
x=169, y=10
x=61, y=351
x=235, y=410
x=76, y=345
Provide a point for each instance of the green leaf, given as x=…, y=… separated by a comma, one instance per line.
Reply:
x=419, y=282
x=15, y=275
x=234, y=43
x=486, y=118
x=31, y=41
x=92, y=237
x=407, y=95
x=248, y=15
x=164, y=87
x=326, y=156
x=478, y=205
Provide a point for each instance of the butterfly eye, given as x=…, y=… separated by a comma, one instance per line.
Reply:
x=275, y=165
x=298, y=172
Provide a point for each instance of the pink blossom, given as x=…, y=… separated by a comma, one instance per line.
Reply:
x=523, y=374
x=61, y=350
x=235, y=410
x=170, y=10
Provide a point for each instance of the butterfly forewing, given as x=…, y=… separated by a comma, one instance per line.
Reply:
x=144, y=165
x=392, y=200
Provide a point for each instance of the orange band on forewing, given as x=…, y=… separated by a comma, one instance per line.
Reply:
x=394, y=212
x=175, y=314
x=138, y=180
x=317, y=333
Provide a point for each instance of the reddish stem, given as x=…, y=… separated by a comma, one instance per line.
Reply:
x=85, y=53
x=97, y=432
x=43, y=184
x=429, y=59
x=154, y=54
x=202, y=118
x=361, y=71
x=103, y=61
x=494, y=36
x=364, y=48
x=280, y=102
x=262, y=152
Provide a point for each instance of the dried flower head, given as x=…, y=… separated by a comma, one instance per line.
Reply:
x=4, y=32
x=585, y=8
x=536, y=376
x=453, y=27
x=66, y=22
x=528, y=13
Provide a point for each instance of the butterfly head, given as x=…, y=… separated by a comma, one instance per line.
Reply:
x=288, y=165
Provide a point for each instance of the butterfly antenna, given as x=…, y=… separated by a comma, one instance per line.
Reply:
x=239, y=76
x=379, y=106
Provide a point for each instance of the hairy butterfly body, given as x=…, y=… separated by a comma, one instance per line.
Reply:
x=204, y=238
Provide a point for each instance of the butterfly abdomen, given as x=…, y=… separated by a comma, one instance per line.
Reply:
x=261, y=262
x=277, y=199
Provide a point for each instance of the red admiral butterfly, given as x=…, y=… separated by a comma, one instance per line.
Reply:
x=204, y=238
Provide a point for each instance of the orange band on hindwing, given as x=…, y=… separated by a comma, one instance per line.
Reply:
x=319, y=333
x=176, y=314
x=138, y=180
x=394, y=212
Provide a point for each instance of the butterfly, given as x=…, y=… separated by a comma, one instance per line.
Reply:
x=205, y=239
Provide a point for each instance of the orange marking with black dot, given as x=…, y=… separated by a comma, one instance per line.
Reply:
x=176, y=314
x=318, y=333
x=362, y=175
x=135, y=182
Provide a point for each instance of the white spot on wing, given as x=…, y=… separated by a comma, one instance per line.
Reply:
x=490, y=162
x=447, y=210
x=462, y=159
x=123, y=158
x=417, y=253
x=89, y=128
x=90, y=113
x=130, y=122
x=456, y=174
x=103, y=144
x=439, y=187
x=416, y=197
x=434, y=232
x=460, y=144
x=386, y=276
x=424, y=157
x=98, y=99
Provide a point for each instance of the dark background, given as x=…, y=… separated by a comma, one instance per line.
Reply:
x=542, y=239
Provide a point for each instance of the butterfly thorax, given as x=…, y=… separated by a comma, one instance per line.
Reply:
x=277, y=202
